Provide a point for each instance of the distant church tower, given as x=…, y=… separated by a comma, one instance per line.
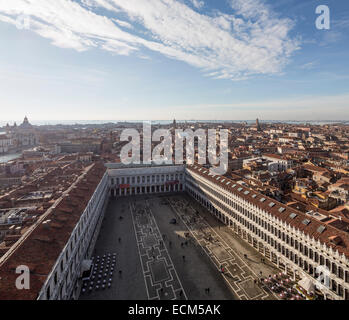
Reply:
x=258, y=126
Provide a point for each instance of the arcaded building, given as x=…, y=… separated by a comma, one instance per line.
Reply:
x=59, y=247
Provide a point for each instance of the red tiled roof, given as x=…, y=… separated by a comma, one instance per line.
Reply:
x=311, y=229
x=40, y=250
x=314, y=168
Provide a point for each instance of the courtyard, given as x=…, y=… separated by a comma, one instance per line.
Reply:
x=169, y=247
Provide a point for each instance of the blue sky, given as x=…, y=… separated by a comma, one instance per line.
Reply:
x=165, y=59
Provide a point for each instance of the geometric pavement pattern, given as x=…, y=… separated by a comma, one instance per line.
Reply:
x=161, y=279
x=239, y=276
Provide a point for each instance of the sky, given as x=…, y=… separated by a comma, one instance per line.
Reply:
x=166, y=59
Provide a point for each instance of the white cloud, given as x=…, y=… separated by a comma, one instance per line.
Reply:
x=254, y=41
x=123, y=23
x=197, y=3
x=308, y=65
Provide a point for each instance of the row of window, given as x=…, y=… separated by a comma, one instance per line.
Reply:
x=303, y=249
x=85, y=225
x=146, y=179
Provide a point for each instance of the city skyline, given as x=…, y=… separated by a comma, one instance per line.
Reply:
x=188, y=154
x=164, y=122
x=80, y=221
x=189, y=60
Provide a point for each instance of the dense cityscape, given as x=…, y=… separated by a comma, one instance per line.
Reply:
x=260, y=231
x=174, y=158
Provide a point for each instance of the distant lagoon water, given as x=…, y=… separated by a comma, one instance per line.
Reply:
x=84, y=122
x=8, y=157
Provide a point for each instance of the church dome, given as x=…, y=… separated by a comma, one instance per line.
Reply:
x=25, y=124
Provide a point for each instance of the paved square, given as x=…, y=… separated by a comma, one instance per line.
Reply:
x=159, y=271
x=221, y=253
x=252, y=289
x=158, y=260
x=143, y=220
x=149, y=241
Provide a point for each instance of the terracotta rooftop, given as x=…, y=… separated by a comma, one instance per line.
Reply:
x=275, y=156
x=314, y=168
x=41, y=248
x=301, y=221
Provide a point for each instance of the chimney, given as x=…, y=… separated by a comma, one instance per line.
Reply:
x=46, y=224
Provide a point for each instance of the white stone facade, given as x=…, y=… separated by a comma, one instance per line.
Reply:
x=63, y=281
x=289, y=248
x=145, y=180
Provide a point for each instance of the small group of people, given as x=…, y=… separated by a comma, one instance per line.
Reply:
x=184, y=244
